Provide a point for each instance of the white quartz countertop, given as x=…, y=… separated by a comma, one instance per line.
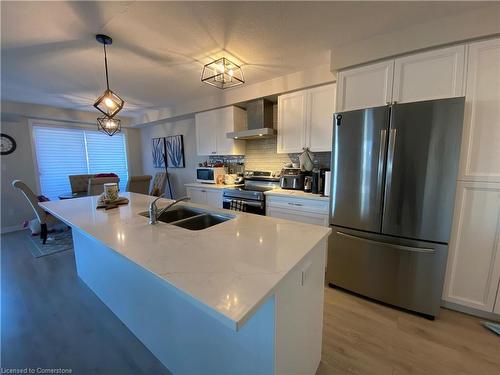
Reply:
x=209, y=186
x=228, y=270
x=297, y=194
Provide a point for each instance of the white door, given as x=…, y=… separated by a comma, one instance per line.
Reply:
x=214, y=198
x=320, y=109
x=480, y=156
x=429, y=75
x=473, y=269
x=198, y=196
x=291, y=122
x=365, y=87
x=206, y=133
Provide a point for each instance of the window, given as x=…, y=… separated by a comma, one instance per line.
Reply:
x=61, y=152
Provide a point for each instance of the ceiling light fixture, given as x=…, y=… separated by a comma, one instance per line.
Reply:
x=222, y=73
x=108, y=125
x=108, y=103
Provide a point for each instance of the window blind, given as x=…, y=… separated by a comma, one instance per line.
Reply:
x=61, y=152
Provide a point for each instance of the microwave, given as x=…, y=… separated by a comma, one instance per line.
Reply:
x=209, y=175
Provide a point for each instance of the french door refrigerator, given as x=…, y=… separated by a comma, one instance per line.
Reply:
x=394, y=172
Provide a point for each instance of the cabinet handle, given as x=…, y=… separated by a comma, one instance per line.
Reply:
x=388, y=103
x=203, y=191
x=294, y=204
x=298, y=204
x=395, y=102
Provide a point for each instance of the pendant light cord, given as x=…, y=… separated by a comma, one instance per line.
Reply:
x=106, y=66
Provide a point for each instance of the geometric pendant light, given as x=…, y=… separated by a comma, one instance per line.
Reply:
x=222, y=73
x=108, y=103
x=109, y=126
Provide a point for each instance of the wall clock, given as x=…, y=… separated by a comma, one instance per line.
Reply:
x=7, y=144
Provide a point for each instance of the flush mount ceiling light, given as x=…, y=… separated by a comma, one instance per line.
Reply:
x=108, y=103
x=107, y=125
x=222, y=73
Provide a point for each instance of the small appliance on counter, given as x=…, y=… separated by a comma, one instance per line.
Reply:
x=292, y=179
x=308, y=182
x=210, y=175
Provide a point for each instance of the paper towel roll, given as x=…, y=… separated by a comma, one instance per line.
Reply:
x=328, y=182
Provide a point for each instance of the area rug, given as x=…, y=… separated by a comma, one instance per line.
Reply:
x=56, y=242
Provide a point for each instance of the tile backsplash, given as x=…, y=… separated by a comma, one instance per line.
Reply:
x=261, y=155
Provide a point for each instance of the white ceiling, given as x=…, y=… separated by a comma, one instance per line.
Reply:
x=50, y=56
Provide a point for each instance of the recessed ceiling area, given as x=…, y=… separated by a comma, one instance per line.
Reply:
x=49, y=54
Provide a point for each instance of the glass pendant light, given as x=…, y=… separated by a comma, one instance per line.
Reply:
x=222, y=73
x=108, y=125
x=108, y=103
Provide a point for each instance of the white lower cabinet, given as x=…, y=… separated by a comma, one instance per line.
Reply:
x=210, y=197
x=473, y=270
x=294, y=215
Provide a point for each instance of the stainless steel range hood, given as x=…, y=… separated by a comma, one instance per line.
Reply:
x=259, y=121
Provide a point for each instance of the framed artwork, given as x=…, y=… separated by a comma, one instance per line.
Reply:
x=158, y=150
x=175, y=151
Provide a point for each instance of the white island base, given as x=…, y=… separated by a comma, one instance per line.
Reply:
x=282, y=336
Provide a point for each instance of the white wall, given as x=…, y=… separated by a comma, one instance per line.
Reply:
x=178, y=176
x=16, y=166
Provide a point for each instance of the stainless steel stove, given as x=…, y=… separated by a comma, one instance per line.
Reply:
x=252, y=193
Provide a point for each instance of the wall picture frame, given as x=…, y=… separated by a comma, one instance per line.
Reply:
x=174, y=146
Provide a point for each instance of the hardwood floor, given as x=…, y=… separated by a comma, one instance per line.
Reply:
x=363, y=337
x=49, y=318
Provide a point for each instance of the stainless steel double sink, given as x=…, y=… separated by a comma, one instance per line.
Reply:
x=190, y=218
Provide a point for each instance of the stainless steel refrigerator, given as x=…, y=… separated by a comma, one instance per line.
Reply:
x=394, y=172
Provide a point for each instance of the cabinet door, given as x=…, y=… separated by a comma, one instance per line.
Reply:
x=320, y=109
x=429, y=75
x=480, y=159
x=365, y=87
x=197, y=195
x=206, y=130
x=291, y=122
x=214, y=198
x=473, y=269
x=497, y=305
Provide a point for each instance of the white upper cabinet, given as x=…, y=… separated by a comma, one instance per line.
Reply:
x=473, y=271
x=321, y=106
x=305, y=119
x=429, y=75
x=364, y=87
x=211, y=129
x=480, y=157
x=291, y=122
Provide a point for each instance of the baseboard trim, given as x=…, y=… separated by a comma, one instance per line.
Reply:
x=13, y=228
x=471, y=311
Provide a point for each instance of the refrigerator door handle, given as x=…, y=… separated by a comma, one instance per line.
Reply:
x=390, y=159
x=394, y=246
x=381, y=157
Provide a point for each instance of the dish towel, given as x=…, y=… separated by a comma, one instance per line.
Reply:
x=237, y=205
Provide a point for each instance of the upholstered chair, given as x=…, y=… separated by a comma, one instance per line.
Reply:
x=79, y=182
x=159, y=184
x=42, y=216
x=139, y=184
x=96, y=184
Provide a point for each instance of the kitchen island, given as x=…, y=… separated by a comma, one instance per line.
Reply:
x=242, y=296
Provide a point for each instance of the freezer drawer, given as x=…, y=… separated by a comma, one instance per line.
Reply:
x=404, y=273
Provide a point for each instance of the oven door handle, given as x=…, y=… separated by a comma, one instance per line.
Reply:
x=248, y=203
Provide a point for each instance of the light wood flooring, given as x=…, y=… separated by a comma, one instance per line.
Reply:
x=363, y=337
x=49, y=318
